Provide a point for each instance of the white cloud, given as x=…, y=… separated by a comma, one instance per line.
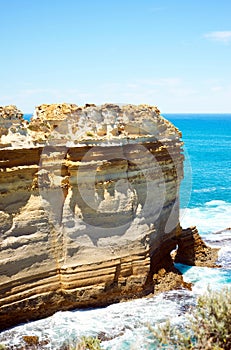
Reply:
x=171, y=94
x=221, y=36
x=168, y=93
x=161, y=82
x=27, y=99
x=216, y=88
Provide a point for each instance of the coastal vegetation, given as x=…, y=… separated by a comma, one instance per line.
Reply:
x=208, y=326
x=87, y=343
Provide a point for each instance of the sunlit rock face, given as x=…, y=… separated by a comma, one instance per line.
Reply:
x=89, y=206
x=192, y=250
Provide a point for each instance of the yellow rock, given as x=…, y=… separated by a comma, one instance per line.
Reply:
x=86, y=196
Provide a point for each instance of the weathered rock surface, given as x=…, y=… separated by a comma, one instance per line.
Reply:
x=89, y=206
x=193, y=251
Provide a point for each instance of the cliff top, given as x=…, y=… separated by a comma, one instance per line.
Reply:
x=71, y=123
x=10, y=112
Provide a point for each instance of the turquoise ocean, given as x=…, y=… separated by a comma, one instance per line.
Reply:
x=206, y=203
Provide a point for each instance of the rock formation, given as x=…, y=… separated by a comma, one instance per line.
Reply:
x=89, y=206
x=193, y=251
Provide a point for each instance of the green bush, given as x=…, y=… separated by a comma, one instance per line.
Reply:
x=87, y=343
x=208, y=328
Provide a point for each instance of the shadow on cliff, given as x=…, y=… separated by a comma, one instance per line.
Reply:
x=187, y=249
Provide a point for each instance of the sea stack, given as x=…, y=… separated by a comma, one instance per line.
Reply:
x=89, y=206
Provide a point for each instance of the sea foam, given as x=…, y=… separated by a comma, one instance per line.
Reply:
x=212, y=217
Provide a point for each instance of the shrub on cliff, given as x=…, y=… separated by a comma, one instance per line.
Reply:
x=86, y=343
x=208, y=328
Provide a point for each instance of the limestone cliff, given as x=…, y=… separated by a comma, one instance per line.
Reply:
x=89, y=205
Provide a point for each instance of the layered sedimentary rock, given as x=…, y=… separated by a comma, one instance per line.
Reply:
x=89, y=206
x=193, y=251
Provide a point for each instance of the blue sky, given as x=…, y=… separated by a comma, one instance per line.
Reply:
x=175, y=54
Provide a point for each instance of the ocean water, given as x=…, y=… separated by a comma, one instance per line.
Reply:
x=206, y=203
x=207, y=139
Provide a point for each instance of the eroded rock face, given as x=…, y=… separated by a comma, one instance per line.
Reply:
x=193, y=251
x=11, y=122
x=89, y=206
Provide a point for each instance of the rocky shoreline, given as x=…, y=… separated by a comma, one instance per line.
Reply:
x=89, y=208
